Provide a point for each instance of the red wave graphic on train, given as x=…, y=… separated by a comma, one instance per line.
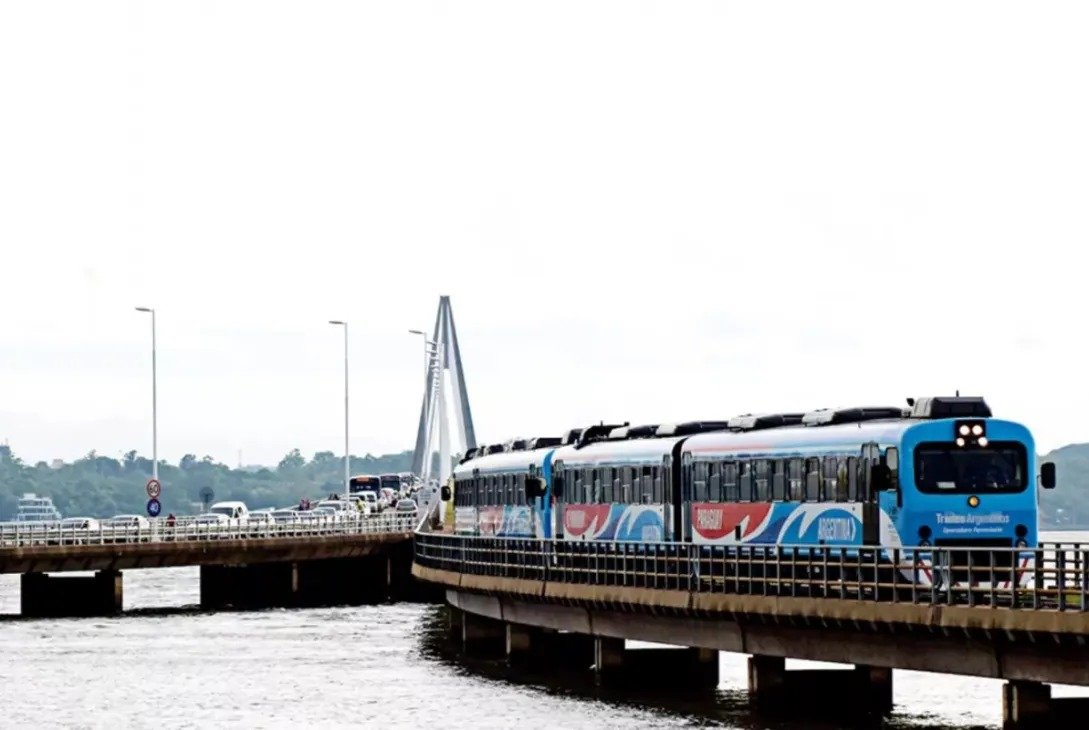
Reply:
x=716, y=521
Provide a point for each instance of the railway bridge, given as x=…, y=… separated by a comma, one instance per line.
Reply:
x=987, y=615
x=297, y=563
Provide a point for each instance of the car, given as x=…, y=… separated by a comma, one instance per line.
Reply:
x=120, y=528
x=373, y=503
x=260, y=521
x=329, y=516
x=406, y=506
x=78, y=523
x=236, y=512
x=287, y=516
x=76, y=529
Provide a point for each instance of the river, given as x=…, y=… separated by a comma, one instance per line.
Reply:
x=167, y=664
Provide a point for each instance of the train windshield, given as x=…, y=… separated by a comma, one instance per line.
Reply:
x=947, y=469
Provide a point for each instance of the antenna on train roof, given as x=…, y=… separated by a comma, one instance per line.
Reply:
x=957, y=394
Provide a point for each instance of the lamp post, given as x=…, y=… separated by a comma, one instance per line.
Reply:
x=429, y=345
x=347, y=453
x=154, y=400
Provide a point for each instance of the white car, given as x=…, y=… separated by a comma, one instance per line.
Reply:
x=236, y=513
x=261, y=521
x=76, y=529
x=78, y=523
x=127, y=527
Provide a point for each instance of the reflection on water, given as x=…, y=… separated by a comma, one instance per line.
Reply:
x=387, y=666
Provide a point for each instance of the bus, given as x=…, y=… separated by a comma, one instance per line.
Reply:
x=364, y=483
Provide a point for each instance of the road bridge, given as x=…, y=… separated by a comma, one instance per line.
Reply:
x=989, y=614
x=306, y=561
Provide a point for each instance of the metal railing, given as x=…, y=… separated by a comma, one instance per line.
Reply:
x=202, y=529
x=1050, y=577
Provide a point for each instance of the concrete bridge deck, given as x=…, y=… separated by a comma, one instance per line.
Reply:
x=1026, y=623
x=352, y=559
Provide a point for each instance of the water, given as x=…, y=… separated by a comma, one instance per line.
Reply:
x=170, y=665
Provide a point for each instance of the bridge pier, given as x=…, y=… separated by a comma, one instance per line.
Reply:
x=863, y=689
x=1028, y=705
x=300, y=583
x=679, y=667
x=482, y=635
x=43, y=595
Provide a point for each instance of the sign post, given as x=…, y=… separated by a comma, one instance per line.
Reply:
x=154, y=488
x=154, y=507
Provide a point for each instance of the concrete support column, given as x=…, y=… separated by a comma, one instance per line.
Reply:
x=875, y=684
x=767, y=679
x=265, y=585
x=864, y=690
x=64, y=595
x=608, y=657
x=679, y=667
x=1025, y=705
x=481, y=635
x=521, y=642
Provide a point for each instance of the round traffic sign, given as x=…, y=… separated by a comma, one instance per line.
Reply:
x=154, y=489
x=153, y=507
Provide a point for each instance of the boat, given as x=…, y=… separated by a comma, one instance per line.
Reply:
x=32, y=508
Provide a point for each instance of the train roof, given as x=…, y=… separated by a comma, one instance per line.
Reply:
x=635, y=451
x=802, y=437
x=504, y=461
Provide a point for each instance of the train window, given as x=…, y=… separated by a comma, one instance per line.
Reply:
x=794, y=480
x=813, y=480
x=606, y=485
x=729, y=482
x=762, y=480
x=558, y=478
x=658, y=486
x=699, y=482
x=625, y=485
x=714, y=482
x=828, y=478
x=647, y=483
x=587, y=496
x=744, y=481
x=778, y=480
x=852, y=478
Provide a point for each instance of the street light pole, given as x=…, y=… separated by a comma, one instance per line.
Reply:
x=428, y=344
x=347, y=453
x=154, y=400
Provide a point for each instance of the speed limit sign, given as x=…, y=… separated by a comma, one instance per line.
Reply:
x=154, y=489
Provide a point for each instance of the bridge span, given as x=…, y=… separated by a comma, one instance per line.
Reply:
x=312, y=561
x=985, y=615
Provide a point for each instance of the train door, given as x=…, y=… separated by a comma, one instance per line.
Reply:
x=676, y=494
x=871, y=511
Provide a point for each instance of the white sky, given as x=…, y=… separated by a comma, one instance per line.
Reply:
x=643, y=211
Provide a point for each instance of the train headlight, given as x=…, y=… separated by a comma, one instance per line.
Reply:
x=973, y=501
x=970, y=433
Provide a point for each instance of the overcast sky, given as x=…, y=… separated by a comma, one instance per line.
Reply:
x=643, y=211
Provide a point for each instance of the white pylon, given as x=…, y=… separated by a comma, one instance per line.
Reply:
x=433, y=432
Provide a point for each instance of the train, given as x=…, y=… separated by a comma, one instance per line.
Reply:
x=941, y=472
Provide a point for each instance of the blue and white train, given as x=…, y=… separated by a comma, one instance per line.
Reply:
x=942, y=472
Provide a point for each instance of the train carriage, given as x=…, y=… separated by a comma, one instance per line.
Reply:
x=492, y=496
x=942, y=473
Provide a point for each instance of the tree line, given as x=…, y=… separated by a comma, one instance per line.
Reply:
x=96, y=486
